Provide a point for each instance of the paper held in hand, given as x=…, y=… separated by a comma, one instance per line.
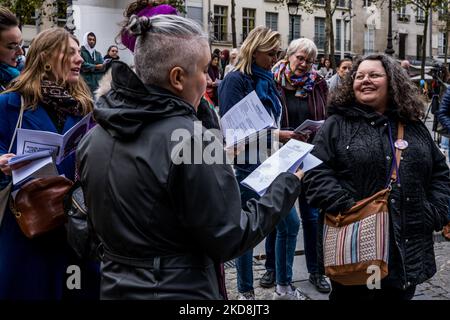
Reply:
x=244, y=120
x=309, y=126
x=31, y=141
x=289, y=158
x=34, y=165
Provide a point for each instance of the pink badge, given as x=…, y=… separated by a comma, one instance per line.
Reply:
x=401, y=144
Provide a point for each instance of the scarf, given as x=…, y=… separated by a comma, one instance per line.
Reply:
x=7, y=74
x=303, y=84
x=59, y=103
x=266, y=90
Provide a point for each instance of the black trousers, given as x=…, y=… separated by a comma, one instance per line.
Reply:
x=341, y=292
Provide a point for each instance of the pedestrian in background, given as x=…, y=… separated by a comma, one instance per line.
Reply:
x=342, y=70
x=93, y=67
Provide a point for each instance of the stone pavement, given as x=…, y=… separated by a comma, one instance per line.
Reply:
x=437, y=288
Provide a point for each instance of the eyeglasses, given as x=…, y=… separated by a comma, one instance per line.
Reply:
x=302, y=59
x=273, y=53
x=373, y=76
x=14, y=47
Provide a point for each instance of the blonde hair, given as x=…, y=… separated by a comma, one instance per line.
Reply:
x=43, y=47
x=259, y=39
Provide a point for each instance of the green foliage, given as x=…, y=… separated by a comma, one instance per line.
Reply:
x=179, y=4
x=26, y=10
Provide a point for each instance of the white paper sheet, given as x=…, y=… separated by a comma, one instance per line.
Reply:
x=287, y=159
x=30, y=141
x=43, y=167
x=244, y=119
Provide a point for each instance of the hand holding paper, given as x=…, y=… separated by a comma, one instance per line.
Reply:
x=309, y=126
x=36, y=165
x=287, y=159
x=244, y=120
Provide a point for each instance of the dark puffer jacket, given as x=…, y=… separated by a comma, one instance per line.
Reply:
x=354, y=146
x=164, y=226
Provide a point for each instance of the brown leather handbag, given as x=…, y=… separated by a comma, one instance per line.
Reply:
x=356, y=242
x=38, y=206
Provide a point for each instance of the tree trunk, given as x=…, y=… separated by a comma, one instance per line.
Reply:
x=328, y=30
x=447, y=33
x=233, y=23
x=424, y=44
x=332, y=42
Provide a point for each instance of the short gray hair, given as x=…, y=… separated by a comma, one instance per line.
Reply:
x=303, y=44
x=163, y=42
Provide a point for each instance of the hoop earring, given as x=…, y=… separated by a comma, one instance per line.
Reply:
x=47, y=67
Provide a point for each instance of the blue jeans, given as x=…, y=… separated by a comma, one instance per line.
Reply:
x=310, y=219
x=244, y=264
x=444, y=143
x=270, y=251
x=286, y=240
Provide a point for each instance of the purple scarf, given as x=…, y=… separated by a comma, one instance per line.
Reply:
x=128, y=40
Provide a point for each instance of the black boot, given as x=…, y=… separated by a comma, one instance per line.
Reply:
x=267, y=280
x=318, y=280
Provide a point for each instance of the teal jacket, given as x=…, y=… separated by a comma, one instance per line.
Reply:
x=88, y=71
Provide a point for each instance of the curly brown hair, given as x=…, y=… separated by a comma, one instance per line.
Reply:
x=403, y=94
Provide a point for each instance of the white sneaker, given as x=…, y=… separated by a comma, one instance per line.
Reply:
x=295, y=294
x=249, y=295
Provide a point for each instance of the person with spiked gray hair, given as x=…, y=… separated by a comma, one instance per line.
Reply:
x=165, y=219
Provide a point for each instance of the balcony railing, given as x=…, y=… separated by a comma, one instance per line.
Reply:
x=347, y=45
x=401, y=17
x=420, y=19
x=320, y=42
x=219, y=37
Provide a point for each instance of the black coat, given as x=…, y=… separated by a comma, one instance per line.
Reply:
x=165, y=225
x=354, y=146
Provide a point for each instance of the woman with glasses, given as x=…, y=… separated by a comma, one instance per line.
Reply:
x=10, y=47
x=304, y=91
x=257, y=56
x=356, y=145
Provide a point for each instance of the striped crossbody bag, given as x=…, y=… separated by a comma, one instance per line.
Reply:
x=357, y=241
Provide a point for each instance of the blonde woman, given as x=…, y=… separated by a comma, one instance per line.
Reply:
x=55, y=98
x=257, y=56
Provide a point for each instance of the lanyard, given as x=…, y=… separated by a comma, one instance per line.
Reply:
x=394, y=175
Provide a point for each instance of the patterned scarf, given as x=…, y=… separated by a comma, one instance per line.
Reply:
x=7, y=74
x=59, y=102
x=303, y=83
x=267, y=91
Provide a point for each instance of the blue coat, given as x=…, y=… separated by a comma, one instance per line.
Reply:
x=35, y=268
x=444, y=110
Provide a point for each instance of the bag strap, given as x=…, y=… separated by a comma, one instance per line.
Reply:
x=18, y=124
x=396, y=153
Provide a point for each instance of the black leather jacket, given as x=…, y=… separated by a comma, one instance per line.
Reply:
x=354, y=146
x=164, y=225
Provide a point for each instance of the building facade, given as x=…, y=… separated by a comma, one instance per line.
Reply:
x=360, y=26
